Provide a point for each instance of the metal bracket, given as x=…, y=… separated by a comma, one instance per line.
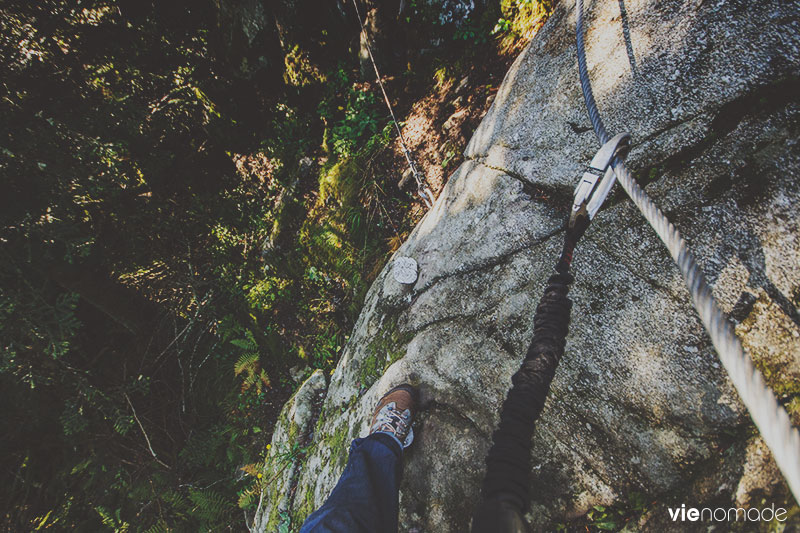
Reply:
x=423, y=191
x=427, y=196
x=589, y=196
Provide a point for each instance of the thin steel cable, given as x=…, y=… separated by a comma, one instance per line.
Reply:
x=406, y=151
x=378, y=74
x=768, y=415
x=423, y=190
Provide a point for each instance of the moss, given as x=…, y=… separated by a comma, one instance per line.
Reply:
x=394, y=356
x=305, y=508
x=292, y=434
x=776, y=369
x=388, y=346
x=370, y=370
x=319, y=424
x=338, y=442
x=290, y=452
x=654, y=173
x=773, y=371
x=274, y=518
x=787, y=389
x=340, y=183
x=610, y=517
x=352, y=401
x=300, y=71
x=793, y=408
x=271, y=467
x=283, y=418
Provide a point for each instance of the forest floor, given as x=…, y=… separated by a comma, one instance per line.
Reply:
x=440, y=117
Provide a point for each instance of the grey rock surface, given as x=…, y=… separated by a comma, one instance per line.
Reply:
x=640, y=405
x=292, y=433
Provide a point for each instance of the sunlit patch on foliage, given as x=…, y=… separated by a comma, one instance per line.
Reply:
x=300, y=71
x=352, y=114
x=359, y=122
x=263, y=293
x=248, y=365
x=520, y=21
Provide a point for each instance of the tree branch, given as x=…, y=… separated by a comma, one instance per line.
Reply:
x=150, y=447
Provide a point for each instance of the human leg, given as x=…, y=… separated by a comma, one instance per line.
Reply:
x=365, y=499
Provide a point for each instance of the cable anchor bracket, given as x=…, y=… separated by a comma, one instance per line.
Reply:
x=589, y=195
x=423, y=190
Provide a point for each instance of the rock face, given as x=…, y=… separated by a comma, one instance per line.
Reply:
x=710, y=92
x=281, y=466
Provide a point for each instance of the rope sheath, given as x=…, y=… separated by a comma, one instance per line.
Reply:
x=505, y=491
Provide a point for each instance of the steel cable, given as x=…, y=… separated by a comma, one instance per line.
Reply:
x=422, y=189
x=768, y=415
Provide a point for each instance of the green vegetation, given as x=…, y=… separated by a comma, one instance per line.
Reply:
x=196, y=198
x=613, y=517
x=339, y=443
x=520, y=19
x=384, y=349
x=306, y=509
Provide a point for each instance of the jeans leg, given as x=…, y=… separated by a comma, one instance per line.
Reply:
x=366, y=497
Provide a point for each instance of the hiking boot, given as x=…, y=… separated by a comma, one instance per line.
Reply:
x=394, y=414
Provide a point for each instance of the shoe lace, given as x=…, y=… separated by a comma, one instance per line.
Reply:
x=392, y=419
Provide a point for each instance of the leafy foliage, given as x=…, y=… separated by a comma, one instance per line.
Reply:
x=249, y=364
x=168, y=253
x=614, y=517
x=520, y=19
x=353, y=121
x=111, y=312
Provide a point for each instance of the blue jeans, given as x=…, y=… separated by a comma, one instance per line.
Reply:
x=366, y=497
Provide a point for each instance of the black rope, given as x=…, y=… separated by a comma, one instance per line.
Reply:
x=574, y=233
x=505, y=491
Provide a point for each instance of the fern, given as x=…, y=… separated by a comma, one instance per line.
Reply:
x=264, y=378
x=141, y=490
x=250, y=364
x=123, y=423
x=201, y=449
x=159, y=527
x=210, y=506
x=247, y=343
x=246, y=363
x=72, y=418
x=253, y=469
x=176, y=502
x=112, y=520
x=247, y=498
